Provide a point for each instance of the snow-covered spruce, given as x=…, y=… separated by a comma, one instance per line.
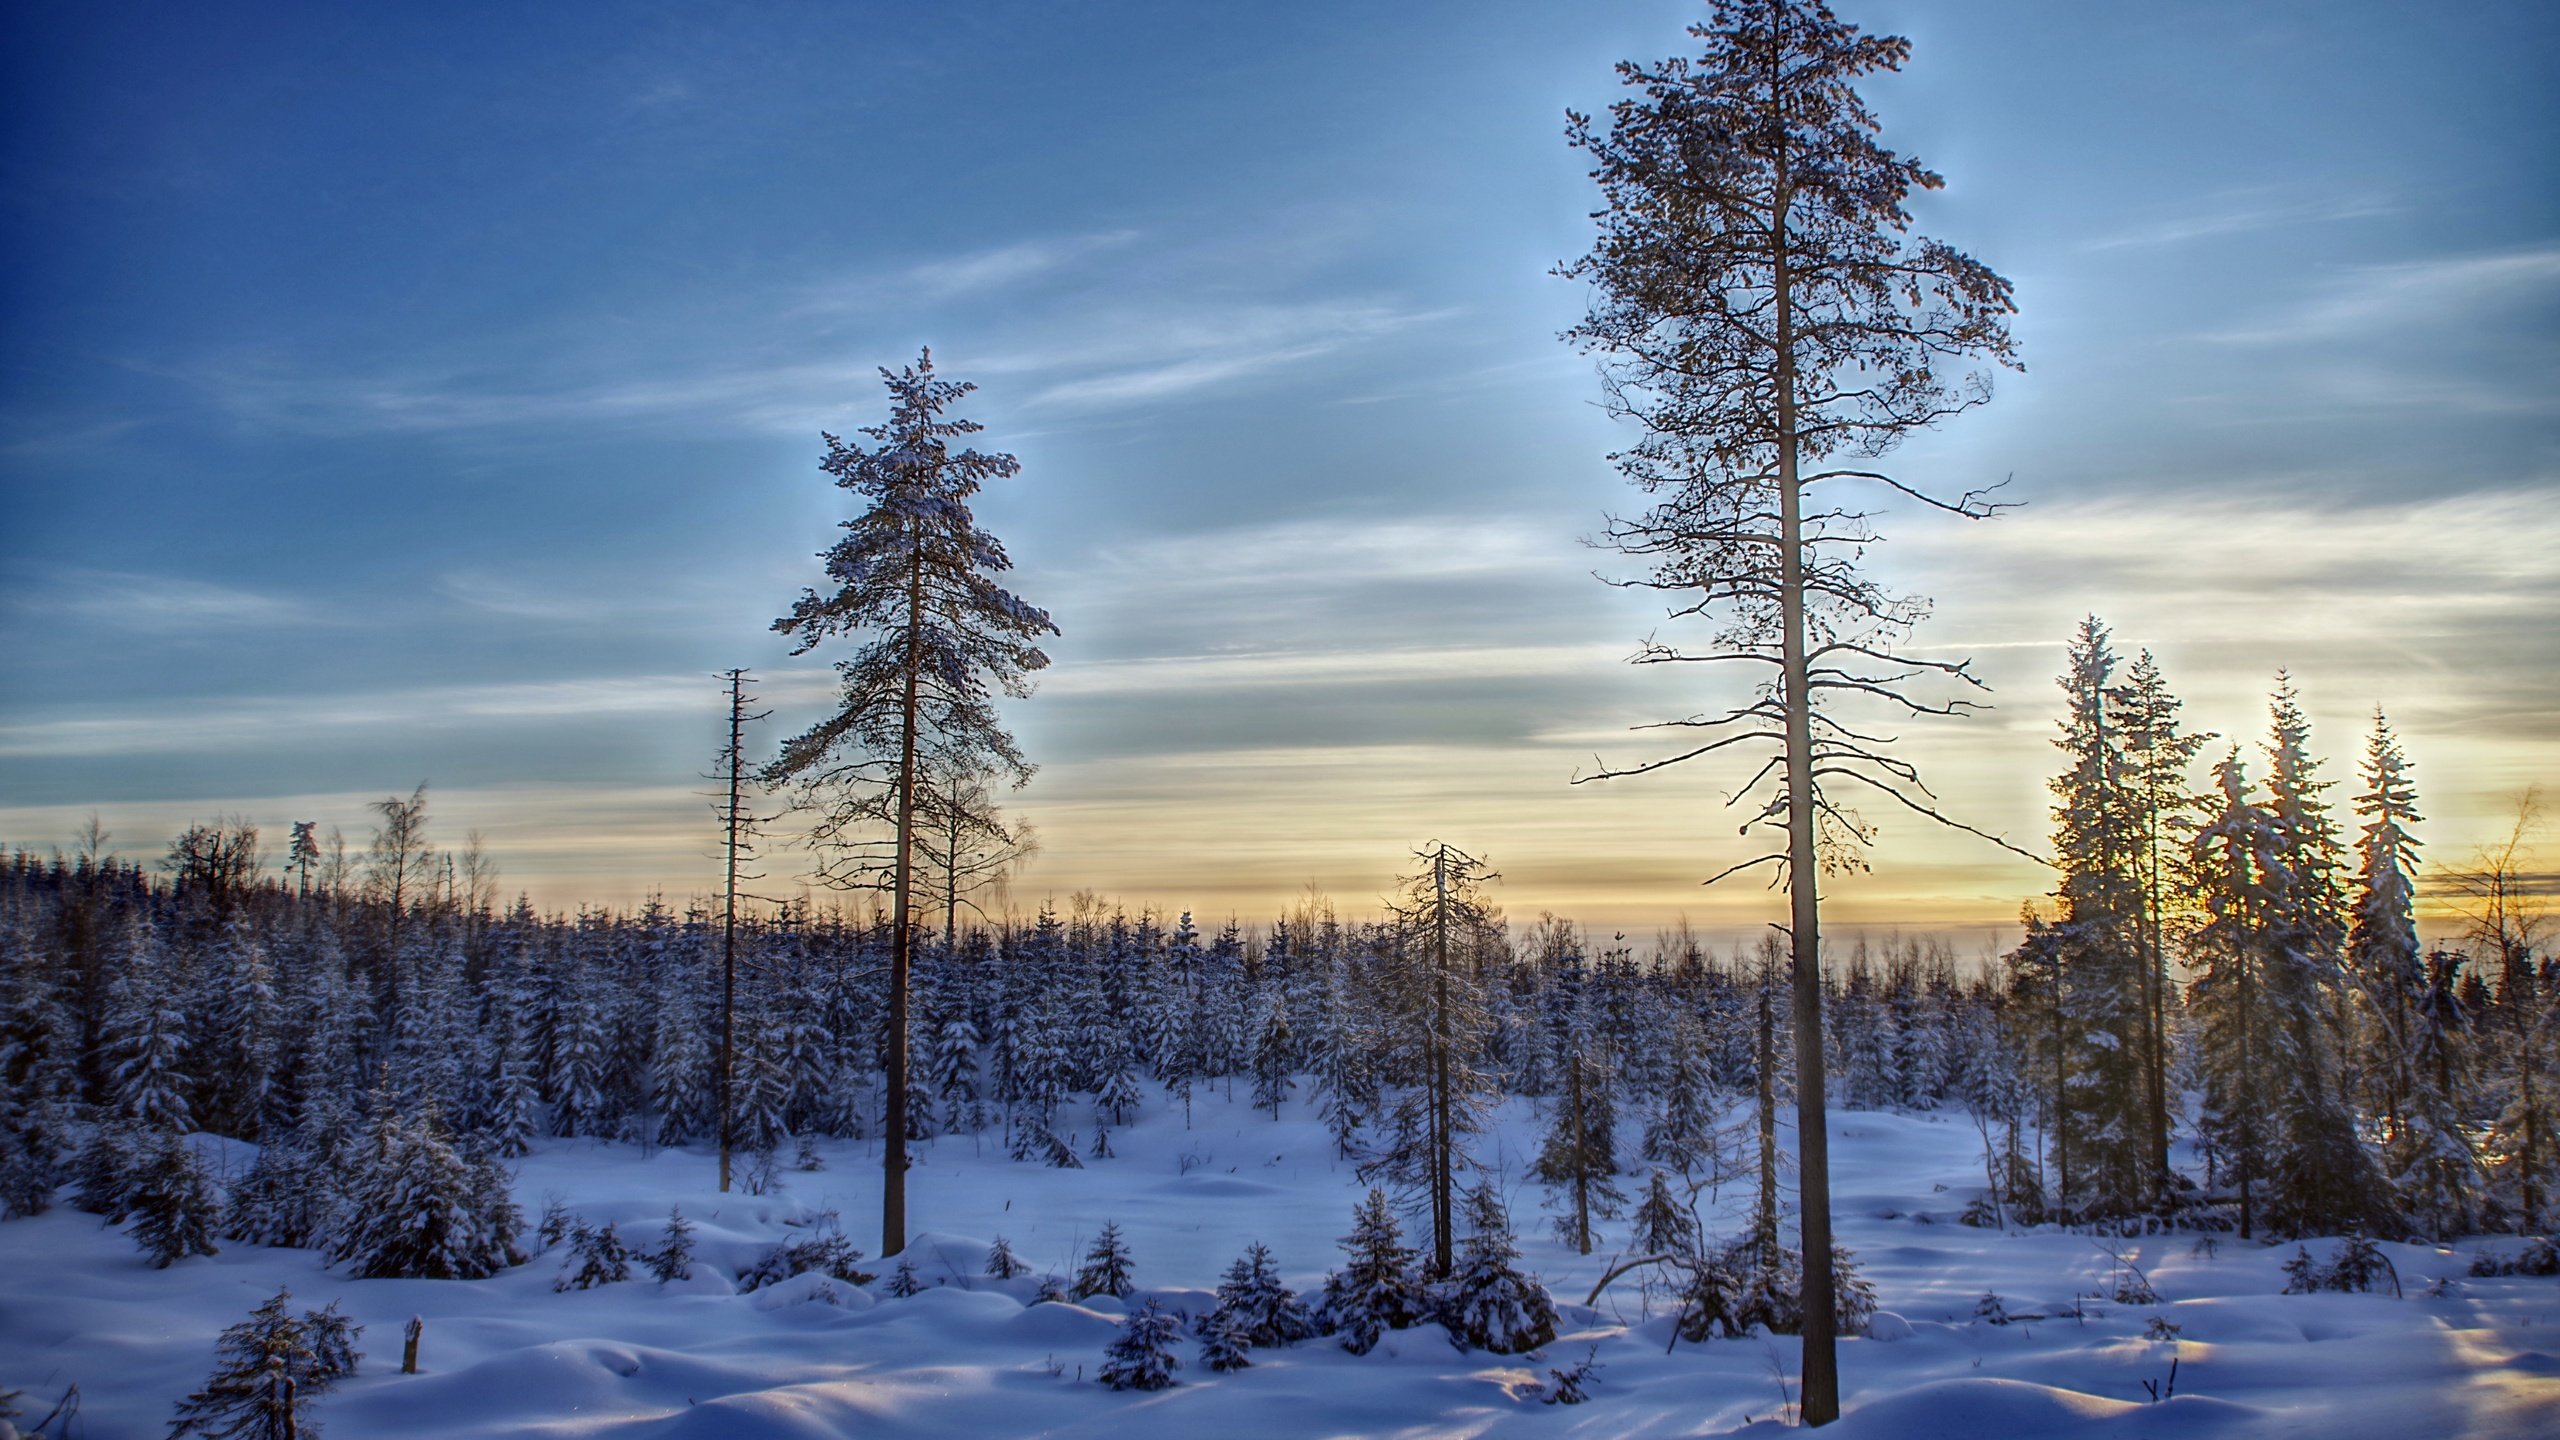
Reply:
x=284, y=1198
x=418, y=1209
x=268, y=1370
x=902, y=1281
x=1106, y=1267
x=1569, y=1384
x=1141, y=1356
x=102, y=1175
x=672, y=1260
x=1256, y=1307
x=1664, y=1226
x=1002, y=1263
x=597, y=1256
x=1378, y=1290
x=1488, y=1304
x=174, y=1209
x=1745, y=1286
x=1222, y=1342
x=825, y=1251
x=2360, y=1266
x=2538, y=1257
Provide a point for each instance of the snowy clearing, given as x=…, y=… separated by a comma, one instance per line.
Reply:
x=967, y=1357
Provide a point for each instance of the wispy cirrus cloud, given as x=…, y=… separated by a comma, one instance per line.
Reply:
x=1135, y=355
x=122, y=600
x=2432, y=294
x=1095, y=364
x=2240, y=213
x=1006, y=266
x=256, y=722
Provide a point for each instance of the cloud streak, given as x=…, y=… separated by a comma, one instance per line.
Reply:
x=2386, y=300
x=271, y=723
x=2242, y=214
x=120, y=600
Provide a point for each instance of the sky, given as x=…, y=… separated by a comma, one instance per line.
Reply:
x=433, y=393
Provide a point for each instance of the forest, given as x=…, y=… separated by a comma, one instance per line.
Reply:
x=2221, y=1022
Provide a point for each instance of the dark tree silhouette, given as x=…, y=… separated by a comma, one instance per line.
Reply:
x=916, y=582
x=1770, y=325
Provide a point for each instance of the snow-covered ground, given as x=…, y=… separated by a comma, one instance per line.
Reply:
x=968, y=1357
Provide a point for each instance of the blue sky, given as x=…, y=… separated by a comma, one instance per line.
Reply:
x=432, y=392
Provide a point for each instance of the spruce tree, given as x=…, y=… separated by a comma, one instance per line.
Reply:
x=2409, y=1033
x=2322, y=1179
x=1579, y=1160
x=2103, y=1130
x=417, y=1209
x=269, y=1370
x=1256, y=1307
x=597, y=1256
x=1222, y=1345
x=284, y=1199
x=673, y=1259
x=1683, y=1133
x=1378, y=1290
x=1271, y=1058
x=1664, y=1226
x=2162, y=756
x=146, y=1039
x=1489, y=1304
x=2232, y=862
x=175, y=1211
x=903, y=1283
x=1106, y=1267
x=917, y=576
x=1141, y=1356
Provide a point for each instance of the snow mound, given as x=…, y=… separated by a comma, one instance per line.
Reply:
x=2019, y=1410
x=1206, y=1185
x=797, y=1412
x=1967, y=1409
x=1065, y=1326
x=1886, y=1326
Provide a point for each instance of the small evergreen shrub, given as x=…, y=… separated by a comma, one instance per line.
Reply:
x=2360, y=1267
x=673, y=1259
x=268, y=1370
x=903, y=1282
x=1141, y=1357
x=1106, y=1267
x=825, y=1250
x=596, y=1257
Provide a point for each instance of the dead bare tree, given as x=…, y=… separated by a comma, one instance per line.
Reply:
x=1769, y=326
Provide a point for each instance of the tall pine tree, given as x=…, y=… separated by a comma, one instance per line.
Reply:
x=917, y=580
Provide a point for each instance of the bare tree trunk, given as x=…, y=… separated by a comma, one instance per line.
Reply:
x=2155, y=1012
x=1821, y=1377
x=1765, y=1214
x=2248, y=1097
x=729, y=933
x=1821, y=1373
x=1442, y=1143
x=893, y=1143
